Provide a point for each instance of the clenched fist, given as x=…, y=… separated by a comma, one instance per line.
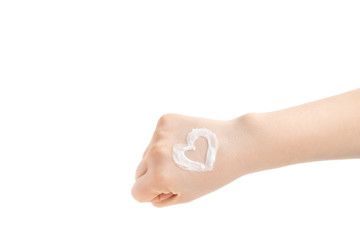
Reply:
x=162, y=182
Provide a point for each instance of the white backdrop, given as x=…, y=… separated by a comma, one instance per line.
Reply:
x=82, y=84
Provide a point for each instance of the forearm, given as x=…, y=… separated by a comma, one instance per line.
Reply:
x=322, y=130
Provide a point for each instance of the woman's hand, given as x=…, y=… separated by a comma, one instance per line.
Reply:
x=160, y=181
x=321, y=130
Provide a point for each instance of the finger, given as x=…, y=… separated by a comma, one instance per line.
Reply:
x=165, y=196
x=143, y=189
x=162, y=197
x=155, y=137
x=164, y=200
x=141, y=170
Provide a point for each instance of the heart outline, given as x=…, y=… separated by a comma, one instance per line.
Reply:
x=184, y=162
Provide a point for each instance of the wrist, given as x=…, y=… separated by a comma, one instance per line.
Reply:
x=265, y=144
x=250, y=142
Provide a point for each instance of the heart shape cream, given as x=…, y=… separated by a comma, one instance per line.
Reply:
x=184, y=162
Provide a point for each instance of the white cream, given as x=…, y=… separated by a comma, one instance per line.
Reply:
x=179, y=151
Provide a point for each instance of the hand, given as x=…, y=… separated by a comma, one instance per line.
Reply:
x=321, y=130
x=160, y=181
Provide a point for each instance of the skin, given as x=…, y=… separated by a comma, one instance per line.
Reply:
x=322, y=130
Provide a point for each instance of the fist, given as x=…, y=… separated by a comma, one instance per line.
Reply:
x=162, y=182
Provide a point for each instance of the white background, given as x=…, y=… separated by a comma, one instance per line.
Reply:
x=82, y=84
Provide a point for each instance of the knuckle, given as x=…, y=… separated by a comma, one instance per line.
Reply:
x=165, y=119
x=157, y=150
x=159, y=134
x=140, y=171
x=145, y=154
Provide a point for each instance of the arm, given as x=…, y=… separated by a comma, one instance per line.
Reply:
x=325, y=129
x=322, y=130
